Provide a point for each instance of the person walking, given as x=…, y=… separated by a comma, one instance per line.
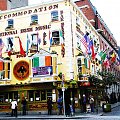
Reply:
x=60, y=105
x=91, y=103
x=84, y=103
x=24, y=106
x=49, y=106
x=14, y=108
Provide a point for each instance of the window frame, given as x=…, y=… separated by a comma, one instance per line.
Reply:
x=34, y=19
x=54, y=15
x=9, y=23
x=55, y=37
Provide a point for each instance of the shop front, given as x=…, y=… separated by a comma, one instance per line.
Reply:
x=35, y=93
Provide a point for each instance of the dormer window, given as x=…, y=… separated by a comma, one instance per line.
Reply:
x=34, y=19
x=54, y=16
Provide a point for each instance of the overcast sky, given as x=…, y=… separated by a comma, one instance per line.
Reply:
x=108, y=10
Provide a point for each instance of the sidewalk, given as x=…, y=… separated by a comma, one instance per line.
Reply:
x=55, y=116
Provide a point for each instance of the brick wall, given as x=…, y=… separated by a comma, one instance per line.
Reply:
x=3, y=4
x=88, y=11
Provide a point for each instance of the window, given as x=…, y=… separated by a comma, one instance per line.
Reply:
x=8, y=96
x=43, y=95
x=78, y=41
x=54, y=15
x=37, y=95
x=79, y=66
x=34, y=19
x=55, y=38
x=2, y=70
x=78, y=21
x=8, y=70
x=31, y=95
x=10, y=22
x=49, y=94
x=34, y=39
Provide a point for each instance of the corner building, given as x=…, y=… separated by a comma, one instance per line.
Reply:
x=40, y=51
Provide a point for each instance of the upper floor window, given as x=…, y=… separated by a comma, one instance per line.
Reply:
x=78, y=41
x=55, y=38
x=2, y=70
x=10, y=24
x=4, y=73
x=34, y=19
x=79, y=64
x=54, y=15
x=78, y=21
x=34, y=39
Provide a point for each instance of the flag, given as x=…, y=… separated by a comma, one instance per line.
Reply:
x=61, y=37
x=50, y=38
x=113, y=57
x=10, y=43
x=1, y=65
x=119, y=53
x=103, y=54
x=1, y=46
x=28, y=43
x=118, y=59
x=42, y=61
x=106, y=62
x=22, y=52
x=92, y=48
x=84, y=41
x=38, y=41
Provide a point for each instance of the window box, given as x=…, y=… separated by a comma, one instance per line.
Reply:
x=9, y=28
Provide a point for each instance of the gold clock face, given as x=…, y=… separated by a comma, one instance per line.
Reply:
x=21, y=70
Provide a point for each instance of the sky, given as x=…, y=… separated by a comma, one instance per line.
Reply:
x=108, y=10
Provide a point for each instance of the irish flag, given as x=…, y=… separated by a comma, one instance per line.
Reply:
x=42, y=61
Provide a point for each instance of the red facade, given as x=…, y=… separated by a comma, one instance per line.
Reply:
x=3, y=5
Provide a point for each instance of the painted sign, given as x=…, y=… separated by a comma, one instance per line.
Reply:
x=21, y=70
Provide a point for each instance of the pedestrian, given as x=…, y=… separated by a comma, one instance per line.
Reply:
x=24, y=106
x=14, y=108
x=91, y=101
x=49, y=106
x=84, y=103
x=71, y=110
x=60, y=105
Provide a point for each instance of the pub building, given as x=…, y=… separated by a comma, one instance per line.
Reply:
x=39, y=53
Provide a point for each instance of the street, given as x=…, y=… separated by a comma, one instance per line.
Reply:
x=113, y=115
